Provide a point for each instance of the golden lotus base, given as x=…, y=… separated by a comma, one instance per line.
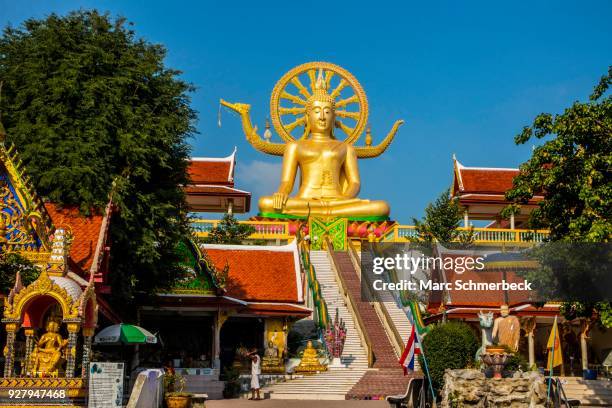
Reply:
x=309, y=369
x=273, y=369
x=42, y=392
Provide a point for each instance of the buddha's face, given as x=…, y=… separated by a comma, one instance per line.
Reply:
x=52, y=327
x=321, y=117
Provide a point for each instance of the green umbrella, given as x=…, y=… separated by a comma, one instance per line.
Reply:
x=124, y=334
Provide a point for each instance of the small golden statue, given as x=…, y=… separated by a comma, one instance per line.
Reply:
x=47, y=357
x=328, y=167
x=310, y=361
x=272, y=361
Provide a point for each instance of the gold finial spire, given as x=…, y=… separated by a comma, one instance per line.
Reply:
x=321, y=84
x=267, y=132
x=368, y=139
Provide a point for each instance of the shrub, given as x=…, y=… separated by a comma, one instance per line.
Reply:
x=516, y=361
x=448, y=345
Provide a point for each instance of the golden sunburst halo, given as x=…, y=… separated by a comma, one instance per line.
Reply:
x=291, y=92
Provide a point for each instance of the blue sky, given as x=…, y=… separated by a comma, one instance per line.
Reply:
x=466, y=76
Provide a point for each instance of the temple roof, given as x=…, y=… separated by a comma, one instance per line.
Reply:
x=467, y=303
x=482, y=192
x=212, y=170
x=211, y=187
x=260, y=273
x=482, y=180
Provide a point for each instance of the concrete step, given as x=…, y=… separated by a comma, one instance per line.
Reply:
x=591, y=393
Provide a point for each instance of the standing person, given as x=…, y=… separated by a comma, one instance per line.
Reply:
x=255, y=371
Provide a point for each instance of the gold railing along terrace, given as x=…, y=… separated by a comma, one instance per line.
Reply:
x=263, y=229
x=402, y=233
x=397, y=233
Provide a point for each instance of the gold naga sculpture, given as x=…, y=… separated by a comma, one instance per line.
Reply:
x=328, y=167
x=47, y=357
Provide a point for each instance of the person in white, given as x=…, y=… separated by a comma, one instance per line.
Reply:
x=255, y=371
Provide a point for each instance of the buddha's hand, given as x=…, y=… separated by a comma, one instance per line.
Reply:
x=279, y=200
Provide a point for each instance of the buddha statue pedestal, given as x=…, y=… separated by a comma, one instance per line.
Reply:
x=310, y=363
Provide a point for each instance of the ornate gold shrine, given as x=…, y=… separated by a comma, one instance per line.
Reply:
x=56, y=314
x=310, y=363
x=331, y=99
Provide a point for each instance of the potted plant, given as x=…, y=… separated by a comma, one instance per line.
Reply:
x=174, y=384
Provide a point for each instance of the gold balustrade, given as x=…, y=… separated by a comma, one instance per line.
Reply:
x=266, y=230
x=402, y=233
x=279, y=230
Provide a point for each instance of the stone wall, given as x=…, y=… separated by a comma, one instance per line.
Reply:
x=470, y=388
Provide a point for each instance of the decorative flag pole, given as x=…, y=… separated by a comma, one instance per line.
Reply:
x=555, y=356
x=413, y=348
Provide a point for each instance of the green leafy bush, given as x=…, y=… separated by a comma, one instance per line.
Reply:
x=448, y=345
x=516, y=361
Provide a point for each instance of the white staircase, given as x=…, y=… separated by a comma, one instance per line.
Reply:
x=591, y=393
x=337, y=382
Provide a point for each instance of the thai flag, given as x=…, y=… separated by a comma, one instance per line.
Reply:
x=412, y=349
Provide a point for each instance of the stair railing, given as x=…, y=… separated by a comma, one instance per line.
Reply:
x=558, y=397
x=381, y=310
x=351, y=305
x=321, y=314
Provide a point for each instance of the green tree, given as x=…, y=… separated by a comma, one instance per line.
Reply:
x=450, y=345
x=441, y=222
x=229, y=231
x=573, y=169
x=10, y=264
x=89, y=105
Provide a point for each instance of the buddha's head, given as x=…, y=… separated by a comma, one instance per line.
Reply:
x=320, y=109
x=52, y=326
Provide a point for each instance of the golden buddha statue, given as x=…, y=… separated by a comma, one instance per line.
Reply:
x=330, y=180
x=272, y=361
x=47, y=357
x=310, y=363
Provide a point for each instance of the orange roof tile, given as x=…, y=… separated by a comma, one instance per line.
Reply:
x=477, y=180
x=86, y=231
x=212, y=170
x=259, y=274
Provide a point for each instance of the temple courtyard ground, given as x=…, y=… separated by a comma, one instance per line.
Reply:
x=242, y=403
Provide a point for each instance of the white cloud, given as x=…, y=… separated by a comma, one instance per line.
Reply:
x=259, y=177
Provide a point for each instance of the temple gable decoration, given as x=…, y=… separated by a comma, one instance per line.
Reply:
x=57, y=313
x=25, y=225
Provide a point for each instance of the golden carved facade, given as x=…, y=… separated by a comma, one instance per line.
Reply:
x=332, y=100
x=53, y=300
